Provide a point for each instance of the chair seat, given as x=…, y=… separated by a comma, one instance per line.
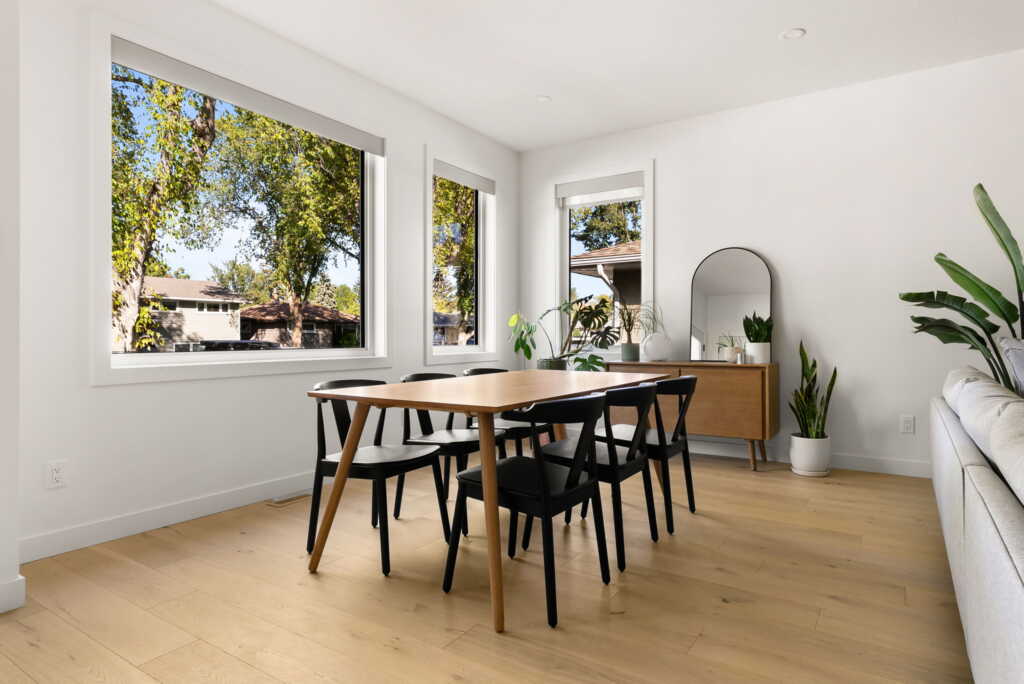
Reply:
x=517, y=425
x=386, y=454
x=451, y=438
x=518, y=475
x=563, y=449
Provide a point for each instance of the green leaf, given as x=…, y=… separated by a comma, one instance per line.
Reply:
x=988, y=296
x=944, y=300
x=1003, y=236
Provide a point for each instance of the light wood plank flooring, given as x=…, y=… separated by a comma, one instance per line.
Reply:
x=776, y=578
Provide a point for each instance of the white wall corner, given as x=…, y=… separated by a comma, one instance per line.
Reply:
x=12, y=594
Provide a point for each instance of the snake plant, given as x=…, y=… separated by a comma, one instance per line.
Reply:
x=757, y=329
x=979, y=331
x=809, y=408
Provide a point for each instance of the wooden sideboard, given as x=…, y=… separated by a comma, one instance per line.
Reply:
x=739, y=400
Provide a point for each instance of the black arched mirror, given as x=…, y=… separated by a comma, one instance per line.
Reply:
x=728, y=286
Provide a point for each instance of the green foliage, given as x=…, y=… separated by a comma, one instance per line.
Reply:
x=454, y=279
x=809, y=408
x=979, y=334
x=757, y=329
x=605, y=225
x=257, y=286
x=587, y=325
x=346, y=299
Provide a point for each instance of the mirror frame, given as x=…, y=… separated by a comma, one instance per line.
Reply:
x=771, y=295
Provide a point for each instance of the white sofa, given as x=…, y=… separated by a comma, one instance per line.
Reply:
x=977, y=444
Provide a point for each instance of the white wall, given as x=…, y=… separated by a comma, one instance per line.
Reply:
x=12, y=585
x=847, y=193
x=146, y=455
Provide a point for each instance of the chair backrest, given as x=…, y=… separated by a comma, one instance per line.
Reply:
x=342, y=418
x=683, y=387
x=639, y=397
x=426, y=424
x=484, y=371
x=584, y=410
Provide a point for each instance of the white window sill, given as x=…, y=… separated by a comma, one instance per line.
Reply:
x=441, y=356
x=121, y=369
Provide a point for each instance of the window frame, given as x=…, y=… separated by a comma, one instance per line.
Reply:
x=607, y=184
x=108, y=368
x=486, y=208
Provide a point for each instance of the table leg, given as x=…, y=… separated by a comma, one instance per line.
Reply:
x=488, y=466
x=355, y=432
x=559, y=431
x=752, y=454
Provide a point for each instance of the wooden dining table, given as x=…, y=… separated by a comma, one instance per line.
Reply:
x=482, y=396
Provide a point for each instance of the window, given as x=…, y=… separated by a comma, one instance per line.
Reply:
x=457, y=222
x=240, y=206
x=607, y=259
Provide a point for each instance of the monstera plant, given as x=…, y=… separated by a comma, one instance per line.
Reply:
x=976, y=329
x=587, y=326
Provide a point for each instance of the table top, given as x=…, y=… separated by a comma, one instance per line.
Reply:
x=489, y=393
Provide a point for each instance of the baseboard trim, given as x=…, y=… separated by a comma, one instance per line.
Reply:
x=872, y=464
x=78, y=536
x=12, y=594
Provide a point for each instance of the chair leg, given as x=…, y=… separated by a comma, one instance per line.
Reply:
x=551, y=434
x=453, y=542
x=620, y=542
x=373, y=505
x=502, y=452
x=398, y=494
x=461, y=463
x=382, y=521
x=447, y=474
x=568, y=516
x=583, y=508
x=513, y=523
x=442, y=500
x=649, y=496
x=527, y=529
x=689, y=480
x=666, y=490
x=314, y=509
x=549, y=569
x=602, y=544
x=519, y=448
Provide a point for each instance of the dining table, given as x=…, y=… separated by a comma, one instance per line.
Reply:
x=482, y=396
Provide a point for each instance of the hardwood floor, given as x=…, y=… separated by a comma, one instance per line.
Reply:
x=776, y=578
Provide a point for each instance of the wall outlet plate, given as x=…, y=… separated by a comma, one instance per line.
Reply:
x=908, y=424
x=56, y=474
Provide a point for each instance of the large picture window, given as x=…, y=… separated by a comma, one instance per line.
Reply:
x=231, y=229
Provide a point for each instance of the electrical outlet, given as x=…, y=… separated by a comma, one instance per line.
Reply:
x=56, y=474
x=907, y=424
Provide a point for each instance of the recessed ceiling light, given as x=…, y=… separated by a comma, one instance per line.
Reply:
x=793, y=33
x=543, y=98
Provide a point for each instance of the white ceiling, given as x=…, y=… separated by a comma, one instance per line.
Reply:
x=610, y=66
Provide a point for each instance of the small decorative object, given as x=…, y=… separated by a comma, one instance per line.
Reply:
x=729, y=347
x=586, y=326
x=978, y=332
x=759, y=338
x=656, y=345
x=629, y=319
x=741, y=356
x=810, y=450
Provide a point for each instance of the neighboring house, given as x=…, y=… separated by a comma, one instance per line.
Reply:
x=193, y=311
x=321, y=328
x=446, y=329
x=617, y=266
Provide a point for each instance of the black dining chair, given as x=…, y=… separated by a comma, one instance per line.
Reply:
x=540, y=488
x=377, y=463
x=515, y=430
x=662, y=446
x=451, y=441
x=616, y=465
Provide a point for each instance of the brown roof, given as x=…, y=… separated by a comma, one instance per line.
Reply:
x=281, y=311
x=183, y=288
x=619, y=252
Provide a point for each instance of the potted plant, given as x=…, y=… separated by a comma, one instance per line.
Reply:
x=729, y=348
x=759, y=338
x=810, y=450
x=629, y=319
x=656, y=345
x=587, y=326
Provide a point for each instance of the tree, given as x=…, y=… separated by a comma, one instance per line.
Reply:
x=158, y=268
x=257, y=286
x=605, y=225
x=346, y=299
x=301, y=195
x=454, y=244
x=162, y=134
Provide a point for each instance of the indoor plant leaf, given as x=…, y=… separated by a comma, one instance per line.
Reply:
x=944, y=300
x=1004, y=237
x=985, y=294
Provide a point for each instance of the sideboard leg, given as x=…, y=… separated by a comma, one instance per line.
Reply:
x=752, y=454
x=764, y=451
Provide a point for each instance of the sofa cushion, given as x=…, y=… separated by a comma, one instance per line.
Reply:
x=1007, y=447
x=979, y=405
x=957, y=380
x=1013, y=353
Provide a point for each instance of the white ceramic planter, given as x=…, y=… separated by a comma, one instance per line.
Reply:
x=759, y=352
x=656, y=347
x=810, y=457
x=630, y=351
x=728, y=354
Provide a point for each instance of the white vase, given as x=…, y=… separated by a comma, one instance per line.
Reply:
x=759, y=352
x=656, y=347
x=810, y=457
x=729, y=354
